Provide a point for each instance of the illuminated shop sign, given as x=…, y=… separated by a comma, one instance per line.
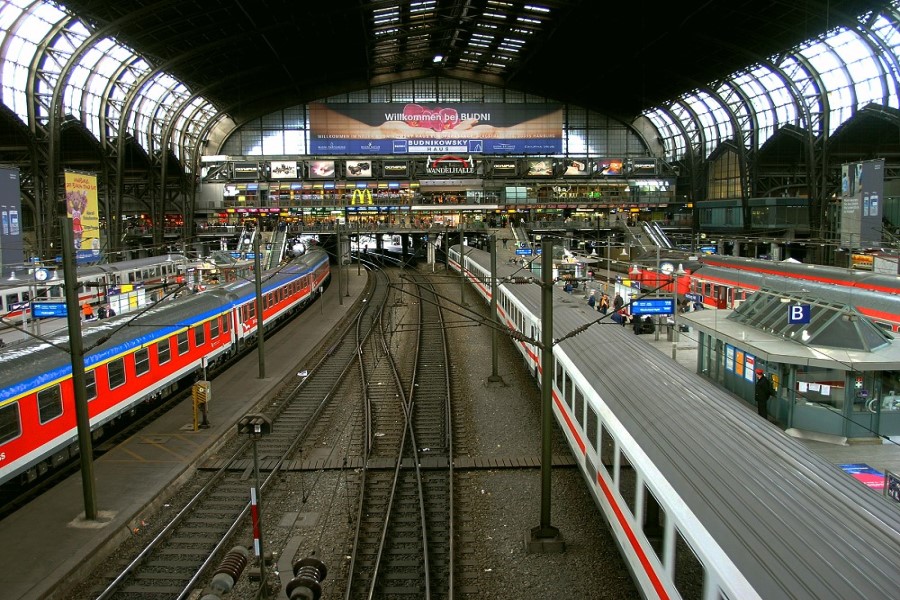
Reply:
x=505, y=167
x=245, y=170
x=450, y=165
x=395, y=168
x=643, y=166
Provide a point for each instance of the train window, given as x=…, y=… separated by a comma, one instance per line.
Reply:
x=10, y=424
x=49, y=403
x=592, y=426
x=183, y=345
x=199, y=335
x=689, y=574
x=627, y=482
x=11, y=299
x=225, y=324
x=163, y=352
x=141, y=361
x=579, y=401
x=214, y=328
x=607, y=447
x=115, y=373
x=559, y=376
x=654, y=519
x=90, y=385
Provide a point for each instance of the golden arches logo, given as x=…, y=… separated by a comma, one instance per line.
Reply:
x=364, y=197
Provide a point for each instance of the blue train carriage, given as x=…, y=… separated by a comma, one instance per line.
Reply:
x=705, y=499
x=130, y=360
x=127, y=361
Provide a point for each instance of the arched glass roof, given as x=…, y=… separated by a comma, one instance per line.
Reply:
x=107, y=85
x=816, y=86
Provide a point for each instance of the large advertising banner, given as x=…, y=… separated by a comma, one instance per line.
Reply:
x=412, y=128
x=862, y=204
x=81, y=207
x=10, y=210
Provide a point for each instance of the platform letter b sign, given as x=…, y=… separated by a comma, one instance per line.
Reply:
x=798, y=313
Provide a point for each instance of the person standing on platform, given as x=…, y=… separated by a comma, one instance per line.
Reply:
x=618, y=302
x=763, y=391
x=87, y=311
x=592, y=300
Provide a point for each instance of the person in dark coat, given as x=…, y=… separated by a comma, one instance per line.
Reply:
x=763, y=391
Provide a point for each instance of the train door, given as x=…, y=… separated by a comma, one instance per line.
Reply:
x=723, y=296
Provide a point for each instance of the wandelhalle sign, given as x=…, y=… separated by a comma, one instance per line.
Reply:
x=450, y=165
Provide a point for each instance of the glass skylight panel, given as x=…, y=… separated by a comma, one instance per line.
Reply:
x=865, y=68
x=698, y=104
x=32, y=23
x=669, y=133
x=759, y=89
x=833, y=74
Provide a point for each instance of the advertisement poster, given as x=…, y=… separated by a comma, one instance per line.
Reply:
x=576, y=167
x=539, y=168
x=414, y=128
x=283, y=169
x=610, y=166
x=321, y=169
x=865, y=474
x=359, y=168
x=82, y=209
x=11, y=252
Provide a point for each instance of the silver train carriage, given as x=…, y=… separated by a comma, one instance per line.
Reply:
x=705, y=499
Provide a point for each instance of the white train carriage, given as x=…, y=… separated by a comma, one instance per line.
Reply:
x=705, y=499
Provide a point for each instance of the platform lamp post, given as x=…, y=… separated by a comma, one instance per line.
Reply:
x=256, y=426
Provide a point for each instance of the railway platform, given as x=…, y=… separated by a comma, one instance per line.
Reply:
x=44, y=543
x=880, y=456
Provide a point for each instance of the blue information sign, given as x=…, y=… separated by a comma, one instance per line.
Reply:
x=48, y=309
x=523, y=251
x=798, y=313
x=653, y=306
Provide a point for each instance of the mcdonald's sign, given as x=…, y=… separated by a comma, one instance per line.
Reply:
x=364, y=197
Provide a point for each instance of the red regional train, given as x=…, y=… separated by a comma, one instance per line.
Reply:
x=130, y=360
x=726, y=281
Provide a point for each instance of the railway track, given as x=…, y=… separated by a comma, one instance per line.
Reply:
x=181, y=557
x=403, y=545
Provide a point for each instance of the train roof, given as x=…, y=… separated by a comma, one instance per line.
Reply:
x=94, y=270
x=824, y=274
x=796, y=525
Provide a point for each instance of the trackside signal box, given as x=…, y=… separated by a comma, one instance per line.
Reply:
x=201, y=394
